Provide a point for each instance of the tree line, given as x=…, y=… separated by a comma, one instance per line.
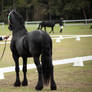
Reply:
x=47, y=9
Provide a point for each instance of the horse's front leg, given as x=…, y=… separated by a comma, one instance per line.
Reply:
x=45, y=29
x=17, y=82
x=51, y=30
x=25, y=82
x=39, y=85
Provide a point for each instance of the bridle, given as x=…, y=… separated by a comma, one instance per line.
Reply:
x=9, y=19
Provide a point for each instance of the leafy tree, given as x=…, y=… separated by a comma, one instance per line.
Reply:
x=47, y=9
x=77, y=5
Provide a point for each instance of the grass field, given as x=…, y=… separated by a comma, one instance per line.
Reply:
x=68, y=78
x=73, y=29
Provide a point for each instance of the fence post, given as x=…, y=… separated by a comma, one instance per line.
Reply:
x=1, y=75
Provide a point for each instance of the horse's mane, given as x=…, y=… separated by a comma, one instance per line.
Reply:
x=20, y=17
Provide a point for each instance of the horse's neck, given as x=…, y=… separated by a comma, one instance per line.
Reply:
x=19, y=33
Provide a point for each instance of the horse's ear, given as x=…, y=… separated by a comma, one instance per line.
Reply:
x=14, y=10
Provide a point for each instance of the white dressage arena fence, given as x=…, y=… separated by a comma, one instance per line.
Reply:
x=77, y=61
x=58, y=38
x=66, y=22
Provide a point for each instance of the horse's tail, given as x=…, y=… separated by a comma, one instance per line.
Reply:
x=47, y=67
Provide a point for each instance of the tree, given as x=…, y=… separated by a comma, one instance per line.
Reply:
x=48, y=9
x=77, y=5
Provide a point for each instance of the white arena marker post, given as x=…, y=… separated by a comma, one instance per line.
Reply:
x=79, y=62
x=1, y=75
x=61, y=37
x=78, y=38
x=58, y=40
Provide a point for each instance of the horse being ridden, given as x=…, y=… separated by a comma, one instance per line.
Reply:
x=50, y=24
x=31, y=44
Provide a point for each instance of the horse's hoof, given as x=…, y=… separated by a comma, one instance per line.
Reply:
x=17, y=84
x=39, y=87
x=24, y=83
x=53, y=87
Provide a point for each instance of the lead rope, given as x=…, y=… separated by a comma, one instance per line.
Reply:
x=3, y=50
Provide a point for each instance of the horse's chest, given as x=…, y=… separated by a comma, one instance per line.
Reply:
x=21, y=50
x=19, y=47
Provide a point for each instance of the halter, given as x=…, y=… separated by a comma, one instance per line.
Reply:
x=9, y=18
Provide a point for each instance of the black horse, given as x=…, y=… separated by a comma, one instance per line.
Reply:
x=51, y=24
x=31, y=44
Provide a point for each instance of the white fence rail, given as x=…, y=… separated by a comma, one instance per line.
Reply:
x=80, y=20
x=66, y=22
x=58, y=38
x=78, y=61
x=31, y=24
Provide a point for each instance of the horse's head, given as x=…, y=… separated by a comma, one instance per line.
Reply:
x=15, y=20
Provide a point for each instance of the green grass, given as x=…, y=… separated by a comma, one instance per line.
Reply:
x=69, y=30
x=4, y=30
x=72, y=30
x=67, y=77
x=69, y=48
x=77, y=30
